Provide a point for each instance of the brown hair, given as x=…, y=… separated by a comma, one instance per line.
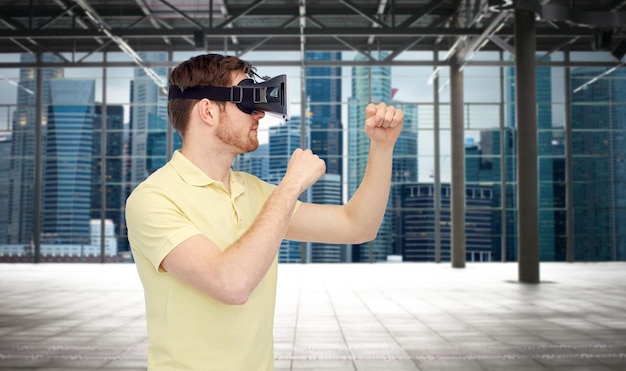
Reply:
x=201, y=70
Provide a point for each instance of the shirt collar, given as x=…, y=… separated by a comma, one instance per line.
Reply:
x=189, y=172
x=237, y=184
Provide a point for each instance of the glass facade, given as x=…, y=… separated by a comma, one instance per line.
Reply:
x=599, y=165
x=75, y=141
x=66, y=180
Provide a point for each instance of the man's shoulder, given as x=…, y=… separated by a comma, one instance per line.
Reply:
x=162, y=179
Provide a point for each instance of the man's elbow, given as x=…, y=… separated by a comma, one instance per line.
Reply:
x=235, y=297
x=366, y=235
x=233, y=292
x=237, y=300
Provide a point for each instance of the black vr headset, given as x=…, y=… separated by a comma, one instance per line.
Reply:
x=269, y=96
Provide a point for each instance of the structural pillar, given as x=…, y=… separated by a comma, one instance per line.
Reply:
x=457, y=153
x=437, y=167
x=503, y=174
x=103, y=160
x=527, y=174
x=569, y=176
x=38, y=160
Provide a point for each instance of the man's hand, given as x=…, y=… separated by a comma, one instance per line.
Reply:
x=383, y=123
x=304, y=169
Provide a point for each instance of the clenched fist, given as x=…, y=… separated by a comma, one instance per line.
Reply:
x=383, y=123
x=304, y=168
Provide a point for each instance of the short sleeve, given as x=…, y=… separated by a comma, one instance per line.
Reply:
x=155, y=224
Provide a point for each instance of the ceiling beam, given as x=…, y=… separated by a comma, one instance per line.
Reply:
x=503, y=44
x=297, y=63
x=182, y=14
x=121, y=43
x=362, y=13
x=148, y=12
x=421, y=13
x=55, y=33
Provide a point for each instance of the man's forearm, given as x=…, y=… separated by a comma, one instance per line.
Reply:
x=251, y=256
x=367, y=206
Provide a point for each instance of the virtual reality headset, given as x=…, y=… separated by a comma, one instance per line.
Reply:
x=269, y=96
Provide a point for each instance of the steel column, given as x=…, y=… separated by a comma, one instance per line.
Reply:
x=503, y=157
x=437, y=167
x=526, y=120
x=38, y=160
x=457, y=186
x=103, y=161
x=569, y=176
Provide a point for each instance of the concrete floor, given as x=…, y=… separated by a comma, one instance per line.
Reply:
x=339, y=317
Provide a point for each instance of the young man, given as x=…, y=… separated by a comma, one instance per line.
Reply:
x=205, y=238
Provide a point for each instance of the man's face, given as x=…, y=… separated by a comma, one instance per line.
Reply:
x=236, y=128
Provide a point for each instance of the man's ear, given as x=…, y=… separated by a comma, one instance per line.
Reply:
x=206, y=110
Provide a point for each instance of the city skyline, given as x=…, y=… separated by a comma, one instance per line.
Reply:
x=66, y=99
x=410, y=82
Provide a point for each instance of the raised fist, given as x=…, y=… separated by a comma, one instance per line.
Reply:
x=383, y=123
x=304, y=168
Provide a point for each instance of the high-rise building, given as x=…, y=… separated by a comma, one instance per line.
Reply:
x=156, y=143
x=21, y=193
x=5, y=183
x=482, y=168
x=560, y=197
x=598, y=120
x=404, y=170
x=114, y=157
x=283, y=140
x=323, y=89
x=417, y=222
x=327, y=190
x=148, y=116
x=66, y=196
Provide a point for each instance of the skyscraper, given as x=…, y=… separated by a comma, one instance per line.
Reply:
x=283, y=140
x=156, y=143
x=599, y=165
x=67, y=163
x=148, y=115
x=23, y=143
x=417, y=222
x=5, y=182
x=323, y=89
x=482, y=168
x=115, y=196
x=404, y=170
x=327, y=190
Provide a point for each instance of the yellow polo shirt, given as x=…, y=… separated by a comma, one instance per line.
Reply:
x=187, y=329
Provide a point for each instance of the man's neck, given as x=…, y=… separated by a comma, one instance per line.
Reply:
x=215, y=164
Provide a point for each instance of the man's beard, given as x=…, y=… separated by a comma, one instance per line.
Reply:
x=228, y=136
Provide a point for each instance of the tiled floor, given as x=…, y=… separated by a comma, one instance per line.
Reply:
x=339, y=317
